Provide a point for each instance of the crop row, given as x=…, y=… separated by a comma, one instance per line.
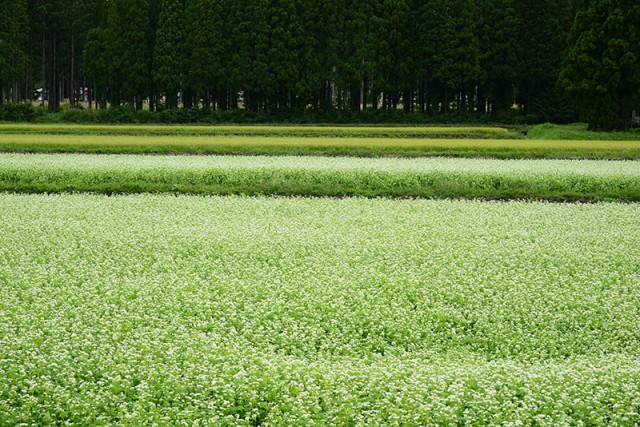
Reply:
x=370, y=146
x=321, y=176
x=288, y=131
x=289, y=311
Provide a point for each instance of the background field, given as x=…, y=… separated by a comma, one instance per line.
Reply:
x=556, y=142
x=356, y=147
x=289, y=131
x=560, y=180
x=246, y=311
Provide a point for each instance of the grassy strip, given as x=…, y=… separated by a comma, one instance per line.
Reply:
x=553, y=180
x=288, y=131
x=579, y=131
x=325, y=146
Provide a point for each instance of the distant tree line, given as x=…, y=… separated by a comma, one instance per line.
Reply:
x=427, y=56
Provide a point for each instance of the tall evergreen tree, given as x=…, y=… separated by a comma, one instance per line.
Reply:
x=96, y=65
x=543, y=28
x=422, y=16
x=49, y=24
x=206, y=47
x=453, y=52
x=300, y=54
x=13, y=40
x=602, y=68
x=79, y=17
x=285, y=43
x=498, y=33
x=129, y=51
x=248, y=67
x=391, y=73
x=169, y=56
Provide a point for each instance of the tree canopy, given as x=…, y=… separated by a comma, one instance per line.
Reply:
x=431, y=56
x=602, y=68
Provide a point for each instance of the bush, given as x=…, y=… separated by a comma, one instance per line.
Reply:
x=145, y=116
x=551, y=109
x=167, y=116
x=78, y=115
x=18, y=112
x=554, y=106
x=191, y=115
x=125, y=113
x=517, y=117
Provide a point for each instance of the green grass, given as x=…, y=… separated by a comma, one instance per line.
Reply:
x=545, y=141
x=235, y=311
x=326, y=146
x=555, y=180
x=287, y=131
x=577, y=132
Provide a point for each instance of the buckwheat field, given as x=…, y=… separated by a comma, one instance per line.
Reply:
x=192, y=310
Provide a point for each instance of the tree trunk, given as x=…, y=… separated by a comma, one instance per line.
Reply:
x=445, y=102
x=44, y=77
x=54, y=89
x=463, y=100
x=407, y=101
x=187, y=97
x=72, y=78
x=14, y=92
x=481, y=101
x=355, y=99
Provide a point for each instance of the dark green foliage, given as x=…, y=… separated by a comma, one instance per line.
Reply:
x=97, y=63
x=169, y=59
x=13, y=41
x=456, y=51
x=18, y=112
x=498, y=33
x=207, y=49
x=310, y=116
x=129, y=51
x=543, y=28
x=327, y=60
x=553, y=106
x=393, y=74
x=602, y=68
x=248, y=67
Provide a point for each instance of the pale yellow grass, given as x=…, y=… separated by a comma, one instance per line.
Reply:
x=28, y=140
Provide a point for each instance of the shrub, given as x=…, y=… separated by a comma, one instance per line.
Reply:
x=125, y=113
x=17, y=112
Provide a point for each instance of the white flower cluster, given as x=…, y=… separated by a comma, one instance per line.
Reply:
x=461, y=177
x=165, y=310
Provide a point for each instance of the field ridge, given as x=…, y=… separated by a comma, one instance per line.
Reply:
x=553, y=180
x=324, y=146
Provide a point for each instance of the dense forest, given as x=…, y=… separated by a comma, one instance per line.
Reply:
x=546, y=58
